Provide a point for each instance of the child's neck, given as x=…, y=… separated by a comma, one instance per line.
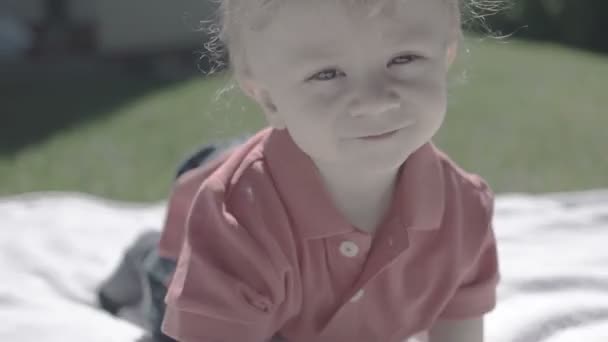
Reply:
x=362, y=197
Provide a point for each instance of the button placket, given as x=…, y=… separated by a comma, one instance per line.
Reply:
x=346, y=257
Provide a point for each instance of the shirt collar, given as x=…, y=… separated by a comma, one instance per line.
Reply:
x=419, y=201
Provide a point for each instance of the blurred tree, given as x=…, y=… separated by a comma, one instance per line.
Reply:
x=581, y=23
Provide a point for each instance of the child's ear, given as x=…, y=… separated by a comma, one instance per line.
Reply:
x=452, y=53
x=262, y=97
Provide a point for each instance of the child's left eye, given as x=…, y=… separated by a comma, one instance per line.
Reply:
x=326, y=75
x=404, y=59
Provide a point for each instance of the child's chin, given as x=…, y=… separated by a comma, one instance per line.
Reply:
x=382, y=160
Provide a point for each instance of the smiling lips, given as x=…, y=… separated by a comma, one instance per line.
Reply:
x=389, y=133
x=379, y=136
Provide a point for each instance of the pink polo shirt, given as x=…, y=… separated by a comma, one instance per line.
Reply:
x=262, y=250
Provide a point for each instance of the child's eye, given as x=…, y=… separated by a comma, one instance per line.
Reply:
x=326, y=75
x=404, y=59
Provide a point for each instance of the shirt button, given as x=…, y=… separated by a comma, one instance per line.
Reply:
x=349, y=249
x=357, y=296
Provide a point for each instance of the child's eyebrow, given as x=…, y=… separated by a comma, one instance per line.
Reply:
x=408, y=34
x=311, y=53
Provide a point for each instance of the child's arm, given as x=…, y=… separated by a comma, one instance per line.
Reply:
x=462, y=318
x=469, y=330
x=232, y=282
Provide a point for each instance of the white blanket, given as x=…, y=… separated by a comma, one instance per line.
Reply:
x=55, y=249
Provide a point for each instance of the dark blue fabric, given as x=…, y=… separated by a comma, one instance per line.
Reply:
x=158, y=271
x=196, y=160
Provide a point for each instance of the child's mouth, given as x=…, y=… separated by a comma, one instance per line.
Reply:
x=380, y=136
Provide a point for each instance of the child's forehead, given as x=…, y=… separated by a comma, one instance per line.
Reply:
x=403, y=14
x=355, y=8
x=391, y=19
x=311, y=31
x=258, y=14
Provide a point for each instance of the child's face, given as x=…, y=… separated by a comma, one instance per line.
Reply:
x=333, y=76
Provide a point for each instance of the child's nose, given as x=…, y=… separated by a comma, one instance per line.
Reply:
x=375, y=102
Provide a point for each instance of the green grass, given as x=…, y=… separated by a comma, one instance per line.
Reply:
x=527, y=117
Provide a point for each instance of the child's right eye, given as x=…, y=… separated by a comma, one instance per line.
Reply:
x=326, y=75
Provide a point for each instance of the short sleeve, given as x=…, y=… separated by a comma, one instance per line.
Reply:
x=226, y=286
x=476, y=294
x=180, y=202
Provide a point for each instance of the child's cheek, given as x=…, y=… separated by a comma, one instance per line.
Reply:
x=320, y=100
x=325, y=92
x=425, y=88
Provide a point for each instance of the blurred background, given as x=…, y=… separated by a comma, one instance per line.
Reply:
x=107, y=97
